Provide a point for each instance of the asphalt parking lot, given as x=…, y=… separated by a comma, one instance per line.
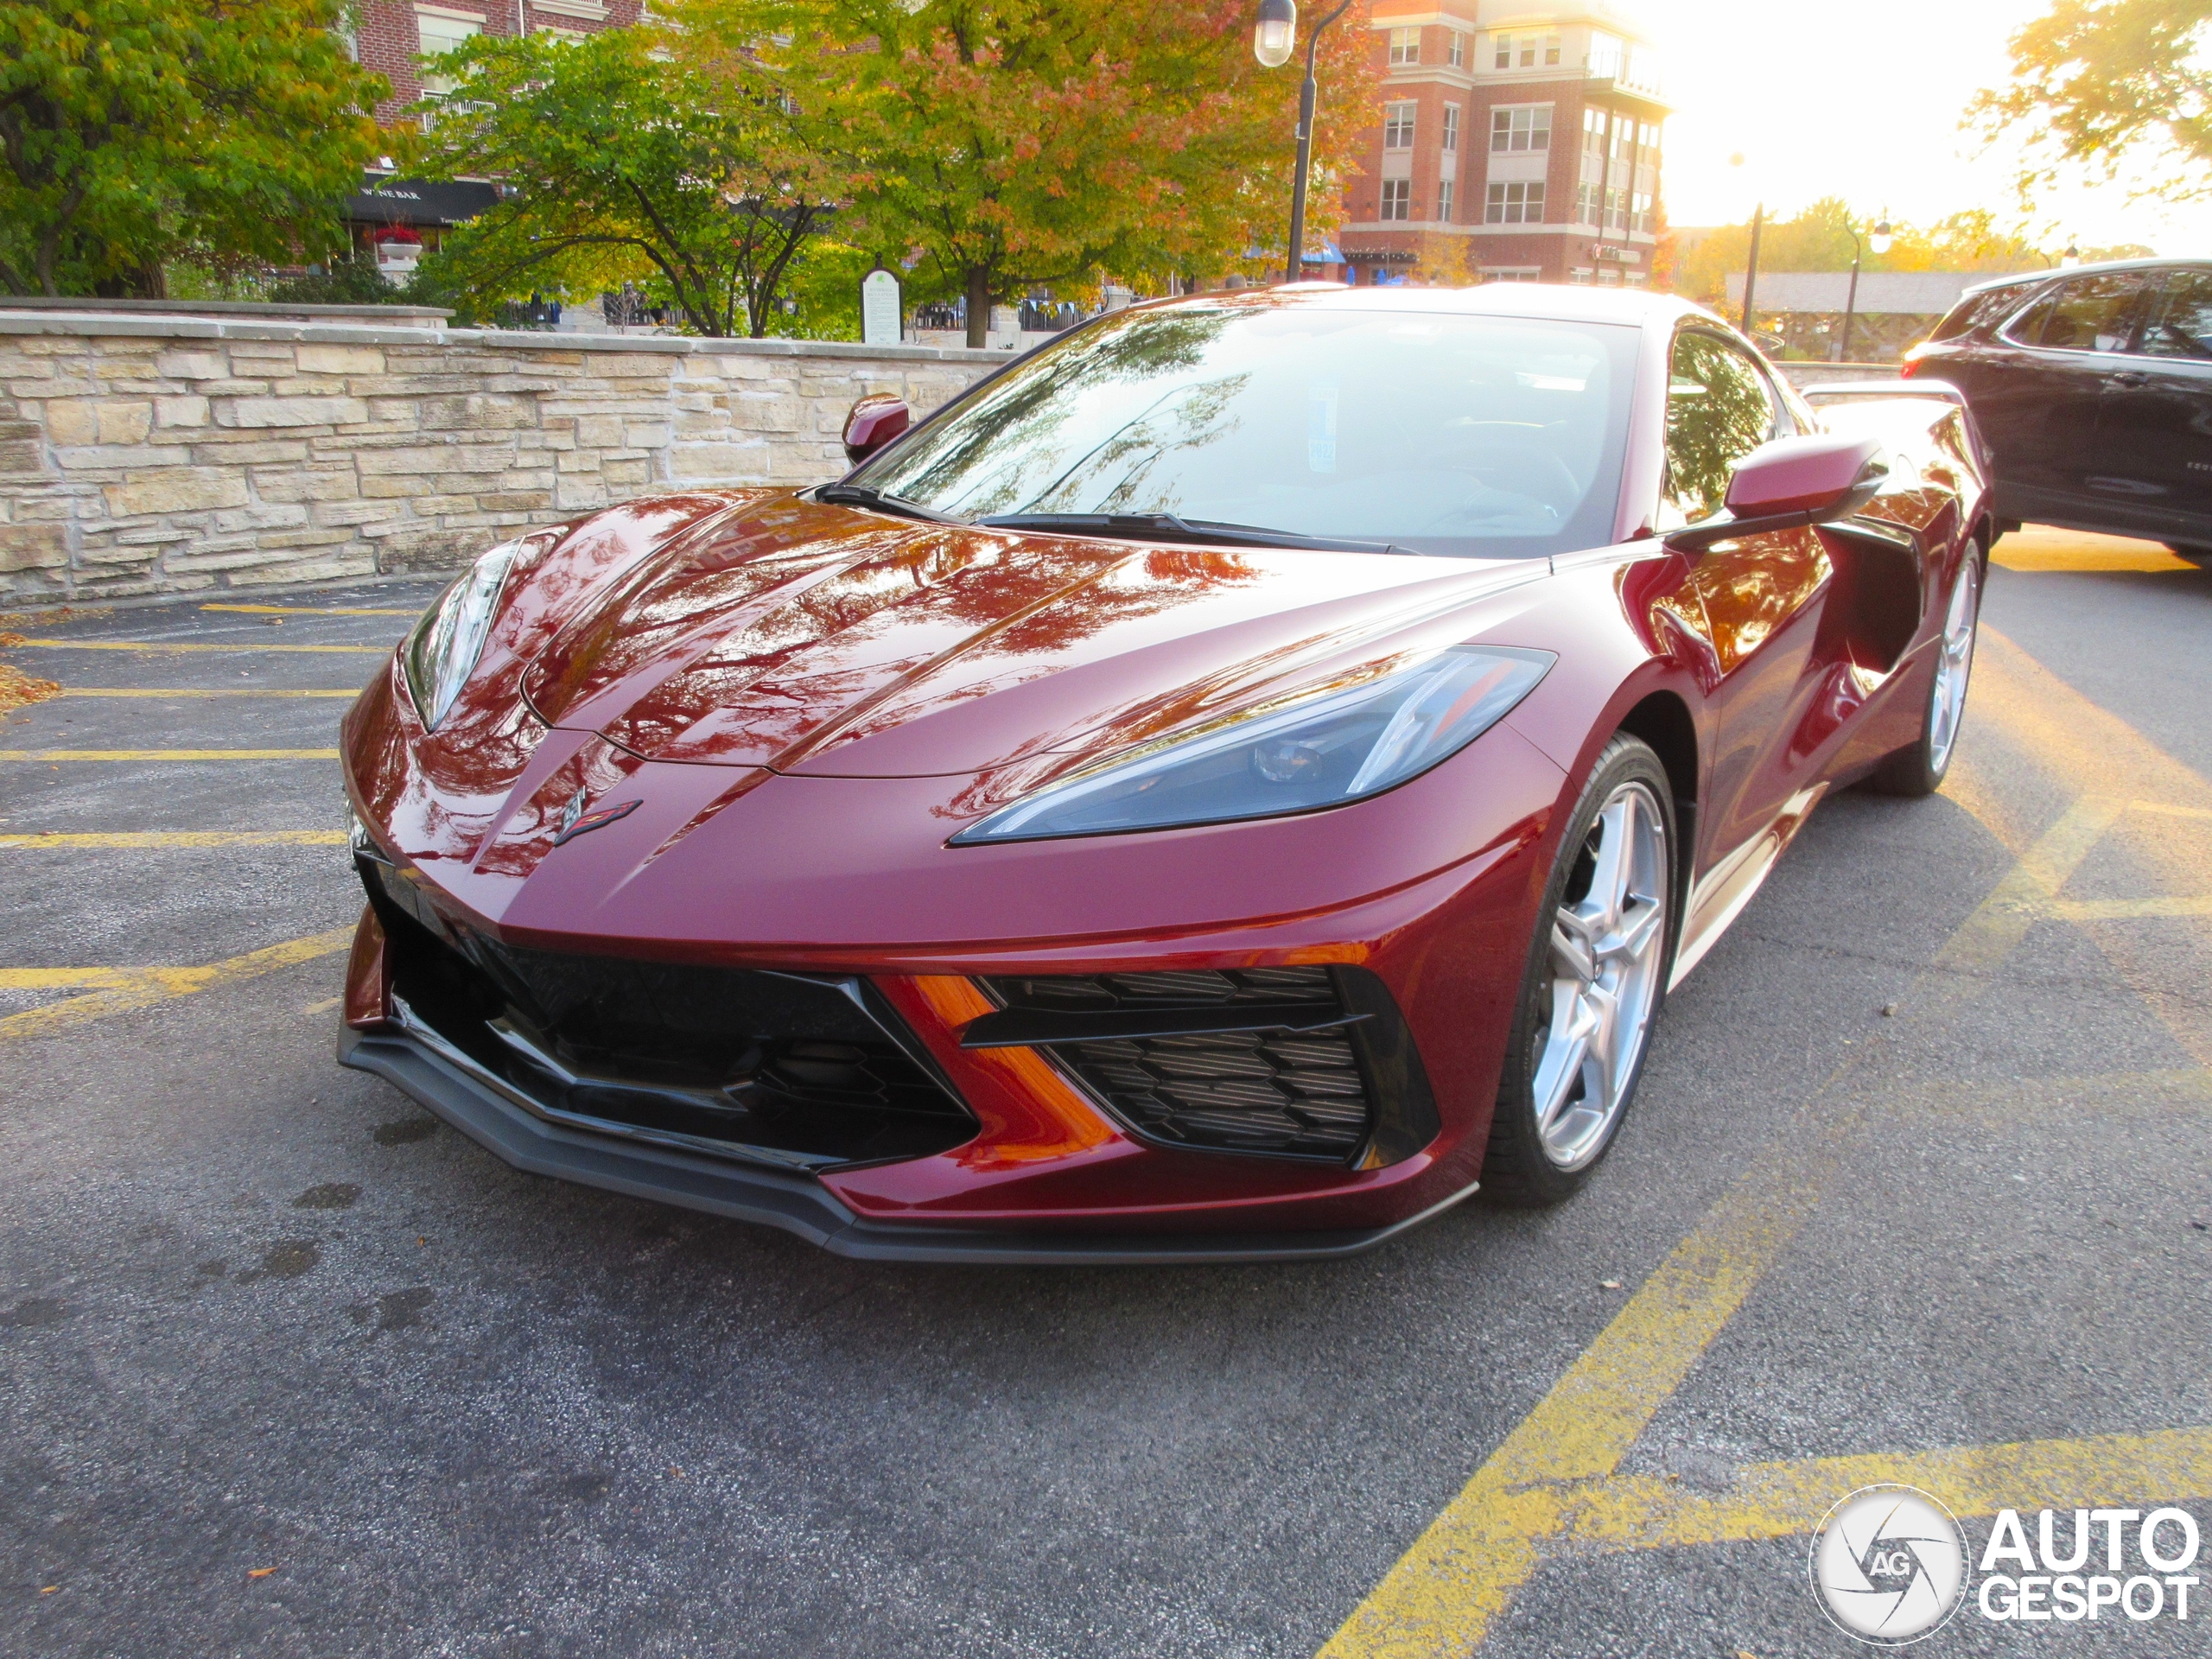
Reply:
x=1916, y=1190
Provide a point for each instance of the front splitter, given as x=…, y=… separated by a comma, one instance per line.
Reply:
x=797, y=1204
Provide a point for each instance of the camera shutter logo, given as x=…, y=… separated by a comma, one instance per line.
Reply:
x=1888, y=1565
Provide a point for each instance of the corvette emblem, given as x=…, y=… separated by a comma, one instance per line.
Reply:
x=576, y=822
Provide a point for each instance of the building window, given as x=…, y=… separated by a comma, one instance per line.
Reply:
x=1405, y=46
x=1450, y=129
x=1580, y=276
x=1515, y=204
x=1551, y=51
x=1512, y=273
x=1397, y=198
x=1455, y=48
x=1504, y=45
x=1444, y=194
x=1398, y=125
x=1528, y=128
x=436, y=34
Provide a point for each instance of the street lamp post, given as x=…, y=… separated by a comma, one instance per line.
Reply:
x=1752, y=269
x=1272, y=37
x=1881, y=243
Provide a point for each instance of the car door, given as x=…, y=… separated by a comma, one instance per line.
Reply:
x=1762, y=593
x=2040, y=387
x=2154, y=437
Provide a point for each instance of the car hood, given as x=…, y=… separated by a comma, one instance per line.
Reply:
x=807, y=637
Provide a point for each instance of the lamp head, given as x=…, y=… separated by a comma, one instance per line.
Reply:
x=1275, y=32
x=1881, y=240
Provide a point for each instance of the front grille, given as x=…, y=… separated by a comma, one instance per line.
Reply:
x=787, y=1069
x=1302, y=1062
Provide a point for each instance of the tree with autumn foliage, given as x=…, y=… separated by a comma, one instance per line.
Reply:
x=135, y=133
x=630, y=155
x=1010, y=144
x=2096, y=82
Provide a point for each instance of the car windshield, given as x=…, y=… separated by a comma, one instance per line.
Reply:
x=1473, y=436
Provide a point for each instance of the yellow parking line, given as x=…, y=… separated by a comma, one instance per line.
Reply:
x=168, y=754
x=1463, y=1571
x=168, y=646
x=304, y=610
x=1784, y=1500
x=68, y=979
x=150, y=838
x=149, y=986
x=190, y=692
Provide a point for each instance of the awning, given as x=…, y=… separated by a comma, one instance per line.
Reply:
x=383, y=199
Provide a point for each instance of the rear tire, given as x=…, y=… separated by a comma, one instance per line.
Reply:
x=1919, y=769
x=1592, y=990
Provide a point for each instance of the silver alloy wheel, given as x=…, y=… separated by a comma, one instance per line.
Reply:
x=1608, y=938
x=1953, y=663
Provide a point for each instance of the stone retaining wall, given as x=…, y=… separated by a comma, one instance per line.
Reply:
x=146, y=454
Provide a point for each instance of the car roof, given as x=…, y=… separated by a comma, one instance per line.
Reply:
x=2025, y=278
x=1544, y=302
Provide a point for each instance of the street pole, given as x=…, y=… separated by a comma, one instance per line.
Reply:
x=1752, y=274
x=1850, y=301
x=1295, y=270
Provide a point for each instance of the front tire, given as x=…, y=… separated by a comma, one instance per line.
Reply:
x=1919, y=769
x=1595, y=980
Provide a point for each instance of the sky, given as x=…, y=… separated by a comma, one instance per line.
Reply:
x=1864, y=101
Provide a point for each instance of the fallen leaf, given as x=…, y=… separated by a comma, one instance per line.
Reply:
x=259, y=1572
x=47, y=1589
x=19, y=691
x=1609, y=1284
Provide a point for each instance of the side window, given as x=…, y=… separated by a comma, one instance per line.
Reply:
x=1978, y=311
x=2090, y=314
x=2182, y=324
x=1719, y=410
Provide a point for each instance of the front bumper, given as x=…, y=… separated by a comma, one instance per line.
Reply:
x=472, y=1102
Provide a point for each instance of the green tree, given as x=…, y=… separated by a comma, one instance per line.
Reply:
x=1013, y=144
x=621, y=160
x=1820, y=239
x=133, y=132
x=2094, y=81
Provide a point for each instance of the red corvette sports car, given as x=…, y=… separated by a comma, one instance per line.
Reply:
x=1236, y=779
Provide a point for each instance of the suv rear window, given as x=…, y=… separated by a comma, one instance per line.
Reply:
x=1980, y=310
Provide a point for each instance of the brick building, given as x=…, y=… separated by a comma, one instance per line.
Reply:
x=393, y=37
x=1518, y=143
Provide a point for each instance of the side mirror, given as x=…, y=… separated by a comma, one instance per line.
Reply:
x=1790, y=483
x=873, y=421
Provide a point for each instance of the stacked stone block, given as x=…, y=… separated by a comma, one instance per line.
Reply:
x=150, y=454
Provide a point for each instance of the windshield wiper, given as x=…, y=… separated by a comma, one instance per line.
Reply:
x=858, y=495
x=1167, y=526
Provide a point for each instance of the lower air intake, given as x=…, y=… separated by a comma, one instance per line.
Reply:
x=1298, y=1093
x=1297, y=1062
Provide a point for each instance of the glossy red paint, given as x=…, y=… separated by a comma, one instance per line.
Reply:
x=873, y=421
x=1800, y=475
x=810, y=700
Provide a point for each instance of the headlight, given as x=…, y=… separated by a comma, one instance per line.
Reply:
x=442, y=653
x=1320, y=746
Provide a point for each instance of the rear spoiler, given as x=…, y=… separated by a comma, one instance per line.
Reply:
x=1942, y=389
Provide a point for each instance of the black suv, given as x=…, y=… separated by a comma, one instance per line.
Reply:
x=2093, y=388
